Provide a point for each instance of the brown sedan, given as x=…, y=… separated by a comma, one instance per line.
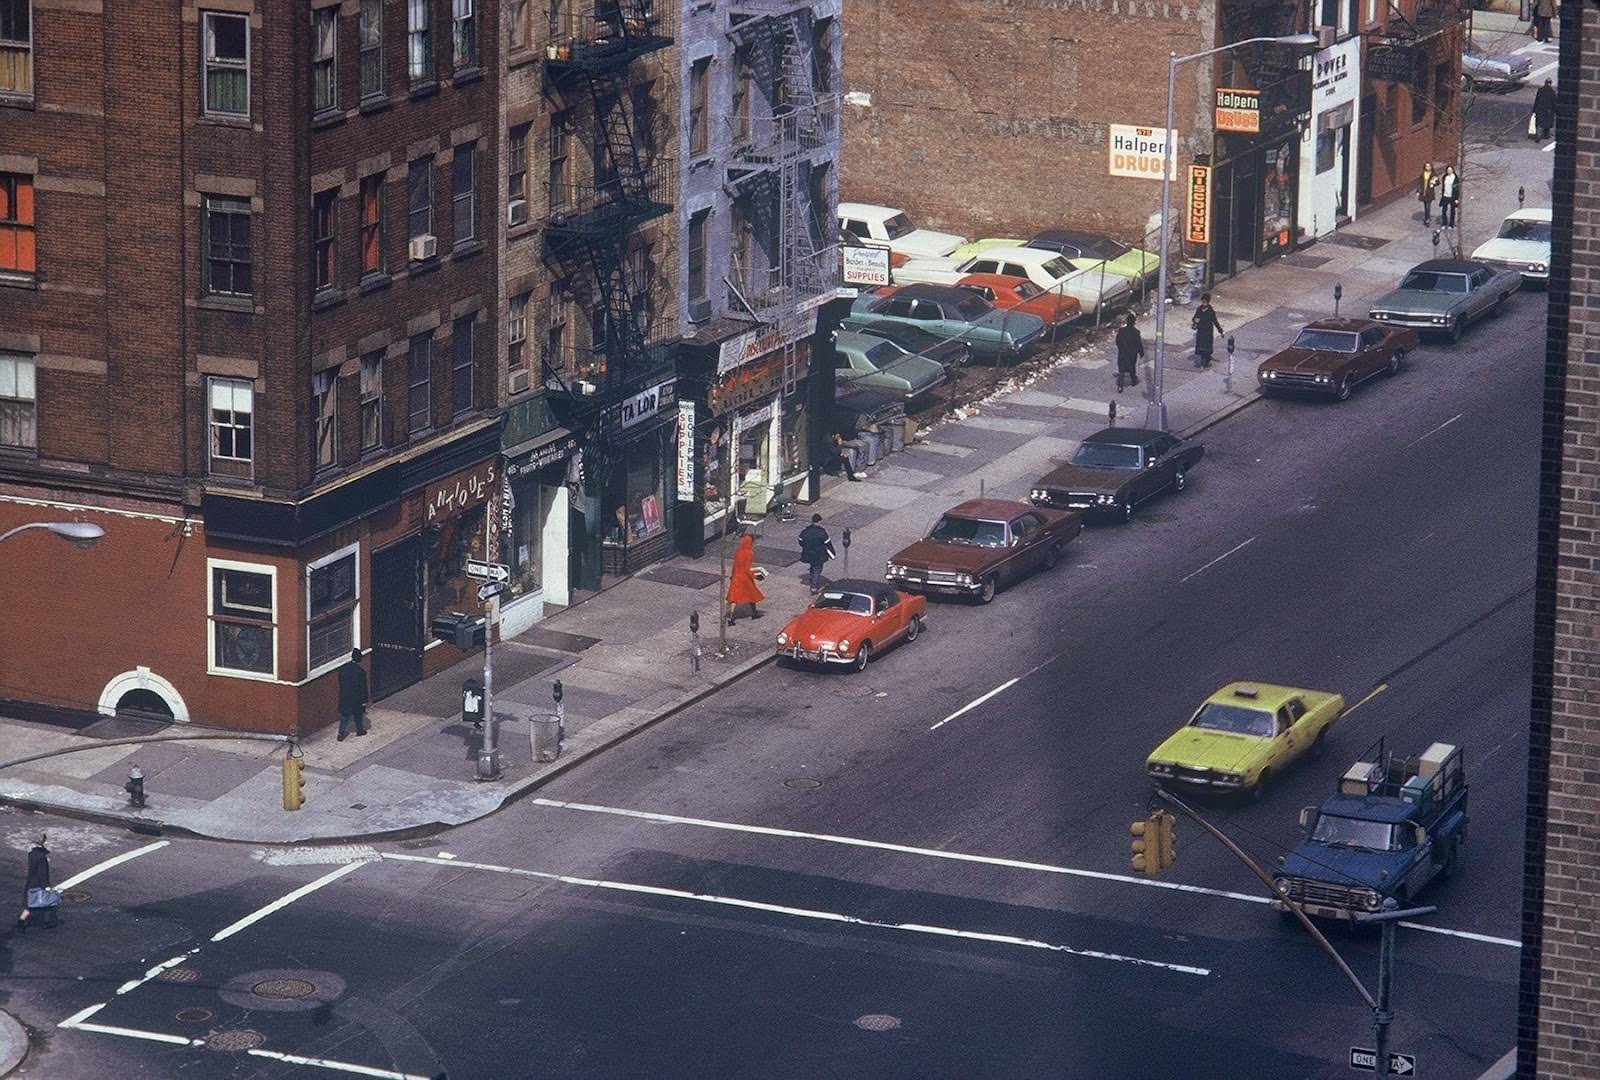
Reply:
x=981, y=545
x=1331, y=355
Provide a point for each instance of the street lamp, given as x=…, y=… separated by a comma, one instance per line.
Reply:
x=82, y=533
x=1156, y=414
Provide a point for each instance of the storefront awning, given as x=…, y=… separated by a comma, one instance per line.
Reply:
x=540, y=452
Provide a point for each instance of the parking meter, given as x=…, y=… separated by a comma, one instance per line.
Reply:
x=1436, y=240
x=1111, y=413
x=1522, y=193
x=555, y=691
x=845, y=540
x=1338, y=294
x=1232, y=345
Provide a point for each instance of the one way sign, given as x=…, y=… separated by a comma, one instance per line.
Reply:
x=1367, y=1061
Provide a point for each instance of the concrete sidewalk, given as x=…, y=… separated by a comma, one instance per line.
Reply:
x=623, y=656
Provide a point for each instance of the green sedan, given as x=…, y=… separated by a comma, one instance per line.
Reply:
x=1135, y=264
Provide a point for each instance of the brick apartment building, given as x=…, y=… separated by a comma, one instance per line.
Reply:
x=249, y=324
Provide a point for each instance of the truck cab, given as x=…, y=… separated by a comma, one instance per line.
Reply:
x=1393, y=826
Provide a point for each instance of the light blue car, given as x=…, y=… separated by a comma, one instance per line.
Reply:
x=865, y=360
x=950, y=312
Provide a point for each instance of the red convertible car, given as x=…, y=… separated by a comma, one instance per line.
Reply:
x=849, y=621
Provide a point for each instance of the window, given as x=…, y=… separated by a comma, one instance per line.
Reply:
x=243, y=633
x=18, y=401
x=646, y=118
x=370, y=34
x=517, y=173
x=1419, y=96
x=322, y=237
x=372, y=224
x=420, y=398
x=1330, y=13
x=227, y=243
x=641, y=273
x=16, y=48
x=419, y=197
x=461, y=359
x=517, y=331
x=324, y=44
x=419, y=40
x=1296, y=710
x=232, y=426
x=464, y=193
x=226, y=76
x=519, y=24
x=699, y=83
x=372, y=400
x=739, y=105
x=697, y=255
x=465, y=36
x=1327, y=142
x=17, y=254
x=332, y=589
x=822, y=57
x=560, y=155
x=324, y=417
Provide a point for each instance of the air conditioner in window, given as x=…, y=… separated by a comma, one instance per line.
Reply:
x=516, y=380
x=517, y=212
x=584, y=387
x=699, y=310
x=1327, y=36
x=424, y=247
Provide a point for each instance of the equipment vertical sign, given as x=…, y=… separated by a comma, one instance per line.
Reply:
x=685, y=475
x=1198, y=215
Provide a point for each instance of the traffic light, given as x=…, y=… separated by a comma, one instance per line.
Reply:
x=1167, y=841
x=1146, y=845
x=294, y=785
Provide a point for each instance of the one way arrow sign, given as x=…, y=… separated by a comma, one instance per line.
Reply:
x=1367, y=1061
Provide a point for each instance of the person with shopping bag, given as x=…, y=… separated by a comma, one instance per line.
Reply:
x=37, y=894
x=742, y=588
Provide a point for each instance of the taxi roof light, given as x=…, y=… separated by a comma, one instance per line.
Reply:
x=1246, y=692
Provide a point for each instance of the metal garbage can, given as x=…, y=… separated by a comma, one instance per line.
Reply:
x=1195, y=280
x=895, y=432
x=545, y=733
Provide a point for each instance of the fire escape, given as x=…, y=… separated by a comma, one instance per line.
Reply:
x=771, y=167
x=1274, y=70
x=593, y=222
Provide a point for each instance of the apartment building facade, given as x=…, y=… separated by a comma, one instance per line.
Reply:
x=249, y=324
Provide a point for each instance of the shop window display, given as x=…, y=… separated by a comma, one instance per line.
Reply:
x=458, y=539
x=796, y=428
x=638, y=507
x=527, y=522
x=714, y=466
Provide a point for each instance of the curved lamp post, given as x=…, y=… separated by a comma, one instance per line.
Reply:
x=1157, y=413
x=82, y=533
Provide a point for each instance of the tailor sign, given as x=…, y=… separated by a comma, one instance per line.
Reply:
x=1197, y=208
x=1137, y=151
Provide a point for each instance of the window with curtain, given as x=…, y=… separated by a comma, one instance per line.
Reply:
x=372, y=224
x=372, y=400
x=226, y=75
x=517, y=332
x=370, y=38
x=18, y=401
x=323, y=226
x=324, y=417
x=324, y=47
x=16, y=48
x=419, y=40
x=332, y=592
x=464, y=37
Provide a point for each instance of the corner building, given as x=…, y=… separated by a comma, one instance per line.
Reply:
x=249, y=324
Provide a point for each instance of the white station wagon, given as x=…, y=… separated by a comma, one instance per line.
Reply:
x=1046, y=269
x=884, y=226
x=1522, y=244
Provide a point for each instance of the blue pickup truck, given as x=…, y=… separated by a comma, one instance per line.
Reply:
x=1394, y=826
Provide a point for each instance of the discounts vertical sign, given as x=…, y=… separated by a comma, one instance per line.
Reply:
x=1197, y=213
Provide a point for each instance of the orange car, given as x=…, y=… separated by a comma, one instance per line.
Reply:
x=849, y=621
x=1004, y=291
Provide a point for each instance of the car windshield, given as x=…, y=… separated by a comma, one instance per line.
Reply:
x=1057, y=267
x=883, y=354
x=1352, y=832
x=973, y=308
x=1233, y=718
x=1327, y=340
x=1518, y=229
x=1027, y=290
x=1433, y=281
x=1099, y=455
x=960, y=530
x=853, y=602
x=897, y=226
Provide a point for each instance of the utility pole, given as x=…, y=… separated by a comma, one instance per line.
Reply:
x=488, y=751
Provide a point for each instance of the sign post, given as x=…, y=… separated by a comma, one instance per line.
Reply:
x=495, y=575
x=1365, y=1060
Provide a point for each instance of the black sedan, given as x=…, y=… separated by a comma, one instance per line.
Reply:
x=1116, y=469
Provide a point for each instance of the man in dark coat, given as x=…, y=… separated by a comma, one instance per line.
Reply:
x=352, y=696
x=816, y=548
x=1130, y=350
x=1544, y=109
x=38, y=879
x=1204, y=324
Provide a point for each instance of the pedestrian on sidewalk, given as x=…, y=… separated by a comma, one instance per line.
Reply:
x=1543, y=12
x=1427, y=191
x=1544, y=110
x=742, y=588
x=816, y=548
x=1203, y=324
x=37, y=895
x=1130, y=350
x=838, y=458
x=352, y=696
x=1449, y=197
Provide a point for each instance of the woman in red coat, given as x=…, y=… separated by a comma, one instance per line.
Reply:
x=742, y=587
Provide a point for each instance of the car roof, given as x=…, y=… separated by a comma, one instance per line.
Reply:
x=1067, y=236
x=859, y=340
x=1257, y=695
x=988, y=509
x=1353, y=325
x=1009, y=281
x=876, y=589
x=1449, y=266
x=1024, y=255
x=1125, y=436
x=867, y=210
x=1530, y=213
x=919, y=290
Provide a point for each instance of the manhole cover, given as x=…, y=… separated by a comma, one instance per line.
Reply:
x=803, y=783
x=74, y=896
x=179, y=975
x=877, y=1022
x=194, y=1016
x=852, y=690
x=283, y=989
x=235, y=1041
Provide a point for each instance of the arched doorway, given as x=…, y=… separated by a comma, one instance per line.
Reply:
x=143, y=694
x=142, y=704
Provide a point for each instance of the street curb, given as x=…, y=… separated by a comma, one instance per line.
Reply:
x=1504, y=1069
x=528, y=784
x=1213, y=419
x=13, y=1043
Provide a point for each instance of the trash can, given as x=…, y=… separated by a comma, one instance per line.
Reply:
x=895, y=432
x=545, y=733
x=1195, y=280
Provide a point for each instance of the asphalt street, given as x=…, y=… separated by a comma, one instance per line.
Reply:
x=815, y=874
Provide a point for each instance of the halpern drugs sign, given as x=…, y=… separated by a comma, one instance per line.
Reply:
x=1197, y=215
x=1137, y=151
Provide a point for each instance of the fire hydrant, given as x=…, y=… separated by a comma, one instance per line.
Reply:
x=135, y=786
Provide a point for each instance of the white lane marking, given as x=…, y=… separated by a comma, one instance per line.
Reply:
x=134, y=984
x=284, y=901
x=958, y=856
x=117, y=860
x=1434, y=431
x=81, y=1015
x=1550, y=147
x=804, y=913
x=969, y=706
x=134, y=1033
x=337, y=1066
x=1218, y=559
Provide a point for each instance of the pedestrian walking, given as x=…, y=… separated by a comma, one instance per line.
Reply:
x=1449, y=196
x=1130, y=350
x=352, y=696
x=816, y=548
x=38, y=898
x=742, y=588
x=838, y=458
x=1204, y=324
x=1427, y=191
x=1544, y=110
x=1543, y=12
